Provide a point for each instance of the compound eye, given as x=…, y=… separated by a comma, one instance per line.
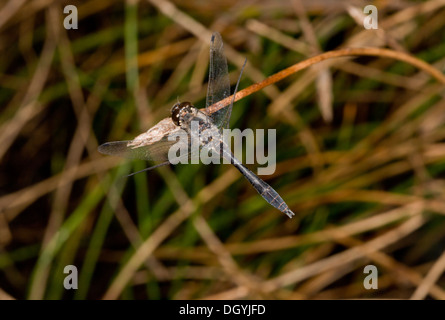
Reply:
x=176, y=109
x=179, y=110
x=185, y=104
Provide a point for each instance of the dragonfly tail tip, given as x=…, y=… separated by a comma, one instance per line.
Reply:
x=289, y=213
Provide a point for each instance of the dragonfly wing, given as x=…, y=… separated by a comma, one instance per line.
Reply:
x=155, y=152
x=135, y=149
x=219, y=83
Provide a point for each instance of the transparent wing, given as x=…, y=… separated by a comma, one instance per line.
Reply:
x=219, y=83
x=157, y=151
x=154, y=152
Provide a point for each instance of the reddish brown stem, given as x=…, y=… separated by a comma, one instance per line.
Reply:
x=401, y=56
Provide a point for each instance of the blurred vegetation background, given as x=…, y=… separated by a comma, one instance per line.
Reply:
x=360, y=152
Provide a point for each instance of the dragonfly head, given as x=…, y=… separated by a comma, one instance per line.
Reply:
x=179, y=110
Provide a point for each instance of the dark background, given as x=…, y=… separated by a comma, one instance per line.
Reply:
x=360, y=152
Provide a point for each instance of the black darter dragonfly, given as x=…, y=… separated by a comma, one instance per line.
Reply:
x=154, y=145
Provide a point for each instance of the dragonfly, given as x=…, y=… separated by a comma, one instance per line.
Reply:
x=188, y=121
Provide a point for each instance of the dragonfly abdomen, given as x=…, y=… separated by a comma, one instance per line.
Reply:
x=264, y=189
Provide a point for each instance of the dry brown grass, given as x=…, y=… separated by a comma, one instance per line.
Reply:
x=361, y=155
